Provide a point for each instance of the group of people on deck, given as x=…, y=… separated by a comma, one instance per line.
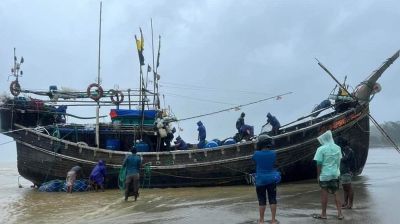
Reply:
x=244, y=132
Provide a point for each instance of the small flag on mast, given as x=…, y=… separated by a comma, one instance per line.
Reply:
x=140, y=47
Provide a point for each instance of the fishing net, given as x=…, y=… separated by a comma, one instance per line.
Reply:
x=121, y=178
x=60, y=186
x=52, y=186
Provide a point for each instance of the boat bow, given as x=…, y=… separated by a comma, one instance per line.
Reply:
x=369, y=86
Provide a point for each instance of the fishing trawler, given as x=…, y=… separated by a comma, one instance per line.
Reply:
x=48, y=146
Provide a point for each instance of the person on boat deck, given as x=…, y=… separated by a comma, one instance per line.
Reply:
x=180, y=144
x=240, y=122
x=343, y=100
x=132, y=164
x=170, y=136
x=274, y=123
x=266, y=176
x=328, y=157
x=71, y=177
x=162, y=133
x=323, y=105
x=98, y=175
x=347, y=166
x=202, y=135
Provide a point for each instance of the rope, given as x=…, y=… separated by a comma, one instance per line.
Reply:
x=195, y=178
x=236, y=107
x=6, y=142
x=6, y=132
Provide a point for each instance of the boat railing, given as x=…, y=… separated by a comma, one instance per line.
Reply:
x=304, y=131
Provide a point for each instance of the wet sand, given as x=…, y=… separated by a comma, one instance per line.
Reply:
x=375, y=201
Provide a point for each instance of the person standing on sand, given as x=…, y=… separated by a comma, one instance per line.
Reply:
x=266, y=177
x=328, y=157
x=98, y=175
x=347, y=166
x=71, y=177
x=132, y=164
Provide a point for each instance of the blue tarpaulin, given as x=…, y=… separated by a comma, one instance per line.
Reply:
x=149, y=114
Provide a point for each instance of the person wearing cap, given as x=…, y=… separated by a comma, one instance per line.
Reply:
x=132, y=164
x=180, y=144
x=273, y=121
x=266, y=177
x=202, y=135
x=328, y=157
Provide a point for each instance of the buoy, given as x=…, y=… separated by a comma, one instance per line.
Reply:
x=99, y=91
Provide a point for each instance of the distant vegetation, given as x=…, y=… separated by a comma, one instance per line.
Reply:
x=393, y=130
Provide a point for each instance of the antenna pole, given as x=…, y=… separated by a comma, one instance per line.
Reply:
x=154, y=76
x=98, y=82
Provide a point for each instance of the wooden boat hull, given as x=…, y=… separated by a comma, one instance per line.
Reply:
x=42, y=157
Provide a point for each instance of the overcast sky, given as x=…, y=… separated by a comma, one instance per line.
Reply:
x=230, y=52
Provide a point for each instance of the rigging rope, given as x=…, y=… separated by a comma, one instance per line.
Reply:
x=202, y=88
x=236, y=107
x=6, y=142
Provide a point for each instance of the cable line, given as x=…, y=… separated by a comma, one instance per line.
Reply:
x=236, y=107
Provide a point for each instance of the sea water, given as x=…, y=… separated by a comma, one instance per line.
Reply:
x=376, y=201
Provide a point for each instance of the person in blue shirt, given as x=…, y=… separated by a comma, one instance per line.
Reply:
x=132, y=164
x=202, y=135
x=274, y=123
x=266, y=176
x=98, y=175
x=180, y=144
x=240, y=122
x=328, y=158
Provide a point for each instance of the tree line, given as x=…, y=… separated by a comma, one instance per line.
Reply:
x=376, y=138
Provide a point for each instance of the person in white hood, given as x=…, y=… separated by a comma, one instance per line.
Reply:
x=328, y=157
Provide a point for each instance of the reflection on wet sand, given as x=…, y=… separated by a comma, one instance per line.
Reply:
x=375, y=202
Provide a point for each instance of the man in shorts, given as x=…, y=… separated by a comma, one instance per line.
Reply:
x=266, y=176
x=328, y=157
x=347, y=167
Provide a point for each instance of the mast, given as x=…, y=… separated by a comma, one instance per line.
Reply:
x=154, y=77
x=156, y=73
x=98, y=82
